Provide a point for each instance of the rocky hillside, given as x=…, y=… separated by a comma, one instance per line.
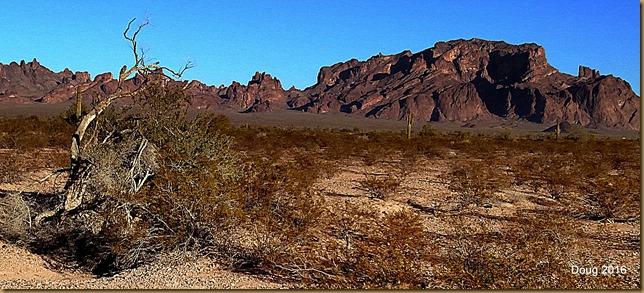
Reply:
x=474, y=79
x=30, y=81
x=261, y=94
x=458, y=81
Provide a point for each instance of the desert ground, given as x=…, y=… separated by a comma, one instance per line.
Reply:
x=499, y=206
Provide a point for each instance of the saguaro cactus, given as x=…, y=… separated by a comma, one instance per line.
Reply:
x=557, y=131
x=410, y=120
x=79, y=108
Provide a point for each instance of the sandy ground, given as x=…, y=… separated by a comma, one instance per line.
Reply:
x=20, y=269
x=615, y=243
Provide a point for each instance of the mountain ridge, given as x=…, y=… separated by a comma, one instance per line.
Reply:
x=456, y=81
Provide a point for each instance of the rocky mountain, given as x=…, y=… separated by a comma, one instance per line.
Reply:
x=458, y=81
x=261, y=94
x=31, y=82
x=25, y=81
x=473, y=79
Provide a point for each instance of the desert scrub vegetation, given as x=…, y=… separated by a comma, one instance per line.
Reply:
x=30, y=143
x=245, y=196
x=218, y=192
x=32, y=132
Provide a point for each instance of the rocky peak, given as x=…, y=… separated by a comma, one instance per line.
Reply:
x=265, y=80
x=587, y=72
x=258, y=77
x=104, y=77
x=82, y=77
x=34, y=64
x=29, y=79
x=261, y=94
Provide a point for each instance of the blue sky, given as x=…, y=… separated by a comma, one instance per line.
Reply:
x=291, y=40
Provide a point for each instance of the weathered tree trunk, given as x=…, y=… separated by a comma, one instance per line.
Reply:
x=81, y=169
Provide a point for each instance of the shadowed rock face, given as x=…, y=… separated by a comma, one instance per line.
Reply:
x=457, y=81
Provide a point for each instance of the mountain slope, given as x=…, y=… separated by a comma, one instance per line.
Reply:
x=458, y=81
x=472, y=80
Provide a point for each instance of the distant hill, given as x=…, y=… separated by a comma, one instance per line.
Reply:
x=457, y=81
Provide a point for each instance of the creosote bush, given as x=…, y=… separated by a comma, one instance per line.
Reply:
x=366, y=250
x=475, y=182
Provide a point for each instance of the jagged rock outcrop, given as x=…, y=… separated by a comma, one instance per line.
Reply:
x=29, y=80
x=458, y=81
x=587, y=72
x=263, y=93
x=465, y=80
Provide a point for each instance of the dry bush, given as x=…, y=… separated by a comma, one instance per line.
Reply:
x=429, y=131
x=361, y=250
x=554, y=172
x=406, y=164
x=192, y=196
x=612, y=197
x=15, y=218
x=11, y=170
x=380, y=187
x=157, y=182
x=242, y=213
x=277, y=196
x=508, y=135
x=579, y=134
x=532, y=252
x=392, y=255
x=475, y=182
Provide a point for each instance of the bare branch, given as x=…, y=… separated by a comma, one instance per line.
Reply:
x=52, y=174
x=179, y=73
x=132, y=39
x=81, y=169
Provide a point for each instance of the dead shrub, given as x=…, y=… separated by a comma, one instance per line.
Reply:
x=15, y=218
x=380, y=187
x=475, y=182
x=366, y=250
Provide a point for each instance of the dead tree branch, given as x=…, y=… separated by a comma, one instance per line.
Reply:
x=81, y=170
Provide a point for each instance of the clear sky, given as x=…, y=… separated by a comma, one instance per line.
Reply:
x=291, y=40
